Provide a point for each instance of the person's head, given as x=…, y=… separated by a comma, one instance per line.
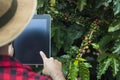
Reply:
x=14, y=17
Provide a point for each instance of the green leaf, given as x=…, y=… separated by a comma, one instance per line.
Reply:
x=95, y=46
x=81, y=59
x=58, y=35
x=107, y=2
x=118, y=76
x=40, y=3
x=117, y=50
x=66, y=38
x=73, y=50
x=117, y=46
x=87, y=65
x=102, y=57
x=73, y=70
x=99, y=3
x=73, y=32
x=66, y=62
x=81, y=4
x=103, y=2
x=52, y=2
x=84, y=71
x=104, y=41
x=53, y=31
x=103, y=66
x=54, y=49
x=114, y=26
x=115, y=66
x=116, y=6
x=65, y=56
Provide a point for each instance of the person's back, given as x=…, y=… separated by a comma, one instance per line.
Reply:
x=14, y=16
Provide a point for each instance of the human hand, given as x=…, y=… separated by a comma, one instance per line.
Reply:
x=52, y=67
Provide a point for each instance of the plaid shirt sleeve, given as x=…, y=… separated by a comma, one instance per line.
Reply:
x=10, y=69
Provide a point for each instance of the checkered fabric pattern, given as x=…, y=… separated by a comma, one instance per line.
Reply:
x=11, y=69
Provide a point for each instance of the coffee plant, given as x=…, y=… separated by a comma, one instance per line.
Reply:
x=85, y=37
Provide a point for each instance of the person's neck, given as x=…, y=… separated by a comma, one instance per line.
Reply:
x=4, y=50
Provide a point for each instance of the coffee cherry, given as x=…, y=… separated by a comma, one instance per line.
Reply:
x=83, y=51
x=86, y=47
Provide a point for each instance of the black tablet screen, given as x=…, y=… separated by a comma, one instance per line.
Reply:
x=35, y=38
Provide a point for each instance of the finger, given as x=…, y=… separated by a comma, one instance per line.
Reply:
x=51, y=58
x=42, y=54
x=44, y=72
x=56, y=61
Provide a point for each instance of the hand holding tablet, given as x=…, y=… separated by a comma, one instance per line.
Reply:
x=52, y=67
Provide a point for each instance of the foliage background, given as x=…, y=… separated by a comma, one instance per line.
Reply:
x=85, y=37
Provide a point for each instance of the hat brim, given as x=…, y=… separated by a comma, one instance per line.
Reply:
x=24, y=13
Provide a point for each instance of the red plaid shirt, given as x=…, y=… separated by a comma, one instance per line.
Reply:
x=10, y=69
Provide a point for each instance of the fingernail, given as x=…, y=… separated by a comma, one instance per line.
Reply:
x=41, y=52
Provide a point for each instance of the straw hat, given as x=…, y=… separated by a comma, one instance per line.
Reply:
x=14, y=17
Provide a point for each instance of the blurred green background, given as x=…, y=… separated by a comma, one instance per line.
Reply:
x=85, y=37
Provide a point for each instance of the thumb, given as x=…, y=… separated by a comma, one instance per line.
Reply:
x=44, y=72
x=42, y=54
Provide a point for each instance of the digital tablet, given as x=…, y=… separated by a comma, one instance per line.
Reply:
x=35, y=38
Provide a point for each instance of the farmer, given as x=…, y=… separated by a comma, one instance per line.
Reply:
x=14, y=16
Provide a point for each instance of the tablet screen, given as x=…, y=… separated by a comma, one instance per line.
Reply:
x=35, y=38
